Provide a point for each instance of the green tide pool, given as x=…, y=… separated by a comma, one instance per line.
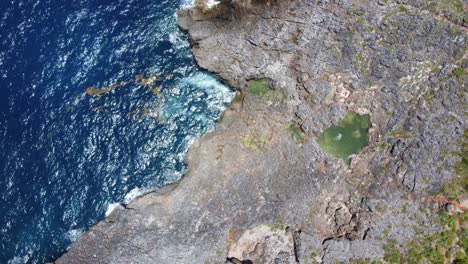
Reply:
x=347, y=138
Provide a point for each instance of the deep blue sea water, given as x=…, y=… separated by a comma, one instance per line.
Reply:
x=66, y=155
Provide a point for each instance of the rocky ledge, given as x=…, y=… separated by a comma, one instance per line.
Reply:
x=261, y=189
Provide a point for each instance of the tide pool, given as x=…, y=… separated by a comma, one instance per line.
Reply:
x=349, y=137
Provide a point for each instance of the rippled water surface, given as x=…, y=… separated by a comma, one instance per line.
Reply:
x=99, y=101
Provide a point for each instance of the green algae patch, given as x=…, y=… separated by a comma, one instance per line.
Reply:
x=347, y=138
x=261, y=88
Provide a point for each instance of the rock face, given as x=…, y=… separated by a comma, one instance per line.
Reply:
x=260, y=192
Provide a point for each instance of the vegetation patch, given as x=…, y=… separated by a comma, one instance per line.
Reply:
x=447, y=246
x=279, y=225
x=450, y=244
x=453, y=118
x=261, y=88
x=295, y=130
x=460, y=72
x=347, y=138
x=457, y=188
x=400, y=134
x=254, y=142
x=381, y=146
x=453, y=9
x=403, y=9
x=365, y=261
x=363, y=64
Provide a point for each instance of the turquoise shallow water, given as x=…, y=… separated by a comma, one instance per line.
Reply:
x=68, y=156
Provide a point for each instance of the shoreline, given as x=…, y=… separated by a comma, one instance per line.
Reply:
x=253, y=193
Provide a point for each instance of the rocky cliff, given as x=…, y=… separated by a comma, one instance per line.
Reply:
x=261, y=189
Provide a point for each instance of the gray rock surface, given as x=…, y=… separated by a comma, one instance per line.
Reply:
x=255, y=194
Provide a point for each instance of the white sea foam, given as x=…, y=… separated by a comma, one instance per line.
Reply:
x=218, y=96
x=186, y=4
x=111, y=207
x=136, y=192
x=74, y=234
x=189, y=3
x=20, y=259
x=211, y=3
x=177, y=39
x=208, y=82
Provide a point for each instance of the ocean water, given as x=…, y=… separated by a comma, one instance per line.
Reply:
x=99, y=102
